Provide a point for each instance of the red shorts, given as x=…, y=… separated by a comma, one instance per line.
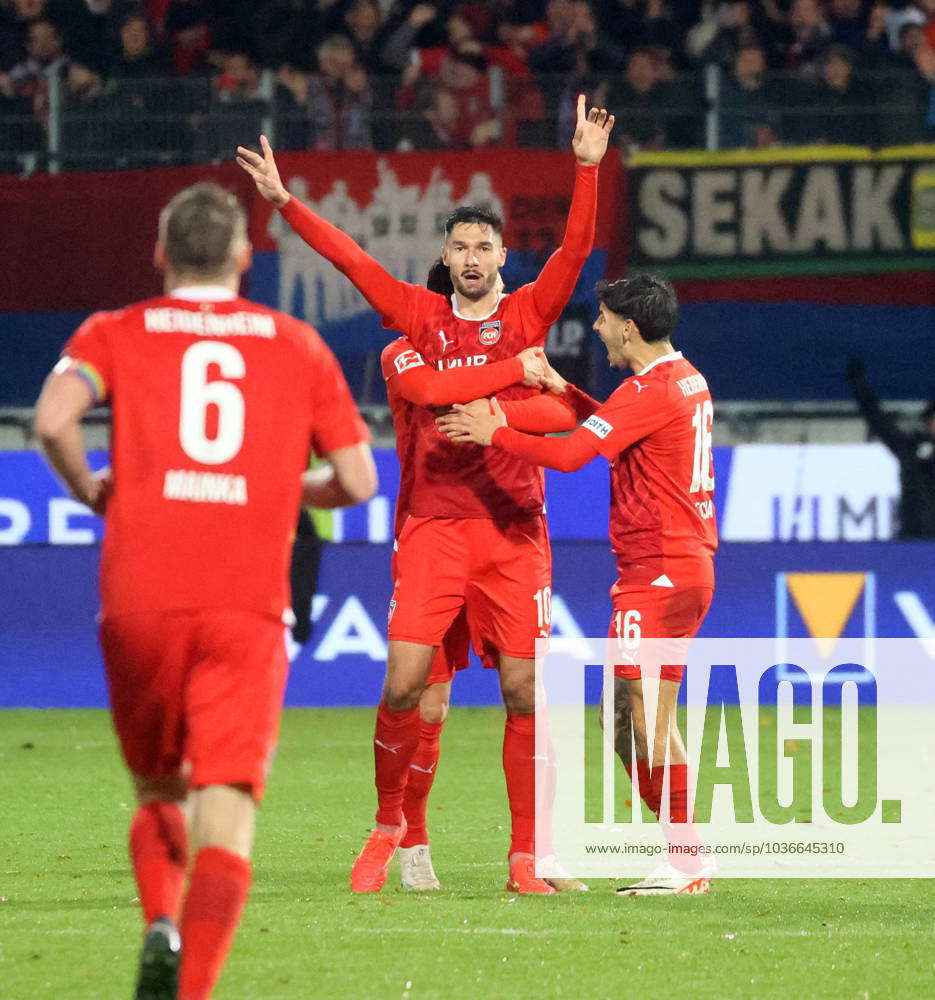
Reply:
x=454, y=652
x=500, y=574
x=201, y=686
x=642, y=614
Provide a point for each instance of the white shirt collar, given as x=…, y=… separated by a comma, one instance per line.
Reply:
x=476, y=319
x=672, y=356
x=203, y=293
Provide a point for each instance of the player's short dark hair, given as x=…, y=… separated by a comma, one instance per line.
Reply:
x=439, y=279
x=479, y=215
x=649, y=301
x=203, y=228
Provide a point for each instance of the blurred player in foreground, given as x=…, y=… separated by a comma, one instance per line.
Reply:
x=655, y=429
x=216, y=404
x=475, y=536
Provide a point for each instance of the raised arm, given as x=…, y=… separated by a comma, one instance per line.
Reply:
x=388, y=296
x=868, y=402
x=556, y=282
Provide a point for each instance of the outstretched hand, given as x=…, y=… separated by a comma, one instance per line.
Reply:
x=591, y=133
x=264, y=172
x=470, y=422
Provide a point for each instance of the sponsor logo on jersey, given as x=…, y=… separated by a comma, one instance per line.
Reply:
x=471, y=359
x=445, y=341
x=489, y=332
x=406, y=360
x=597, y=426
x=389, y=614
x=692, y=384
x=639, y=385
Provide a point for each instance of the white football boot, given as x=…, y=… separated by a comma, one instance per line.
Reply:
x=668, y=881
x=415, y=863
x=558, y=878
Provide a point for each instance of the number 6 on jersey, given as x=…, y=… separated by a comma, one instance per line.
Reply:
x=197, y=394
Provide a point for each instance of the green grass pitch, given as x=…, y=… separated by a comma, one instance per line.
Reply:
x=69, y=926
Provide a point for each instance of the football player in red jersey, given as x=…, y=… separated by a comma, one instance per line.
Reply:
x=217, y=403
x=475, y=536
x=655, y=429
x=424, y=386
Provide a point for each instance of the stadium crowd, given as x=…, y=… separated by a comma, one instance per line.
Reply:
x=183, y=80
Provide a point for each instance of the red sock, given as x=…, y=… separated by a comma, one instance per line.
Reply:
x=159, y=852
x=419, y=782
x=215, y=901
x=395, y=740
x=519, y=766
x=546, y=776
x=680, y=830
x=648, y=784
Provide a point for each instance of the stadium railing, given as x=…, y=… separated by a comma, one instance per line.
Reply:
x=183, y=120
x=736, y=422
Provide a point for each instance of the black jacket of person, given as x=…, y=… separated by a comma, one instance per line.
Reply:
x=915, y=452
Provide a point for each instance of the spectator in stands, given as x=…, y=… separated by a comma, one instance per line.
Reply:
x=848, y=23
x=748, y=116
x=435, y=126
x=363, y=22
x=90, y=29
x=284, y=32
x=439, y=125
x=188, y=30
x=808, y=33
x=646, y=23
x=904, y=93
x=398, y=47
x=462, y=67
x=840, y=109
x=90, y=131
x=28, y=81
x=914, y=450
x=577, y=58
x=330, y=109
x=15, y=16
x=725, y=29
x=900, y=15
x=237, y=108
x=138, y=55
x=639, y=102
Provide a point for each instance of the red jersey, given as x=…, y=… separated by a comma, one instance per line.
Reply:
x=402, y=412
x=458, y=480
x=656, y=431
x=216, y=404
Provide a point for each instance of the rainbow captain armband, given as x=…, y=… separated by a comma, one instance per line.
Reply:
x=88, y=372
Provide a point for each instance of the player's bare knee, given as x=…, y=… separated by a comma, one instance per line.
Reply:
x=434, y=713
x=519, y=697
x=401, y=696
x=224, y=816
x=166, y=789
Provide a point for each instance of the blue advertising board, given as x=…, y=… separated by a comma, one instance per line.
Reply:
x=48, y=601
x=763, y=493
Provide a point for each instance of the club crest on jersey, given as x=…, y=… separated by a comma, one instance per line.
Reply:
x=489, y=332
